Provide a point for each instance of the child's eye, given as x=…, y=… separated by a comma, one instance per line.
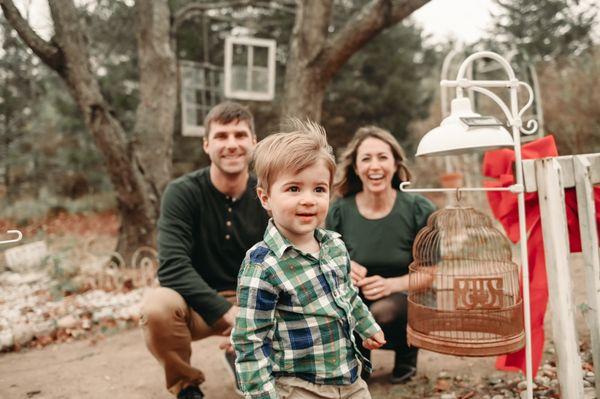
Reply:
x=321, y=189
x=293, y=189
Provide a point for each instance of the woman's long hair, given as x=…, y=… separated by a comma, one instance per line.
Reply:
x=347, y=181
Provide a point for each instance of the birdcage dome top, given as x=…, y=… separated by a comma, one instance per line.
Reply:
x=460, y=234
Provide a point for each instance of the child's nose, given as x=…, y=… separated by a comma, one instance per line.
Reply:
x=307, y=199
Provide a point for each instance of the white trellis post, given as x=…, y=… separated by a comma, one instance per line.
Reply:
x=587, y=173
x=549, y=177
x=560, y=289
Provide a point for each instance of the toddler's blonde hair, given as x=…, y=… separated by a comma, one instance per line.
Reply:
x=293, y=151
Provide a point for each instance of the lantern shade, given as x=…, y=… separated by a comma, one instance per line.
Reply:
x=454, y=136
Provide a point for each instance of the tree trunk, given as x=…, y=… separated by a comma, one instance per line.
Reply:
x=316, y=55
x=136, y=197
x=139, y=170
x=304, y=93
x=155, y=117
x=304, y=86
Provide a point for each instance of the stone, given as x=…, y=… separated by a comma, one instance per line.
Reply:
x=22, y=333
x=543, y=380
x=548, y=367
x=44, y=328
x=7, y=339
x=523, y=385
x=26, y=257
x=67, y=321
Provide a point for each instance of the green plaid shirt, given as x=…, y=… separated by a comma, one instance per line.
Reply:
x=297, y=315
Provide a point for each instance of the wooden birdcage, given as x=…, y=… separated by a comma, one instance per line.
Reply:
x=464, y=294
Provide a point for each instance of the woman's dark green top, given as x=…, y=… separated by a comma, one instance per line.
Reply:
x=383, y=246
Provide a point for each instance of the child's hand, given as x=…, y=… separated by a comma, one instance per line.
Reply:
x=357, y=272
x=375, y=342
x=226, y=346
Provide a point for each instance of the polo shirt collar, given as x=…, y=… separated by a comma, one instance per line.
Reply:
x=279, y=244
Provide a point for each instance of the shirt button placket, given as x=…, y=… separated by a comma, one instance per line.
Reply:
x=228, y=216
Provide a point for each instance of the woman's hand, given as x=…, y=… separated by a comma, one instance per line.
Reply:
x=375, y=287
x=357, y=272
x=375, y=342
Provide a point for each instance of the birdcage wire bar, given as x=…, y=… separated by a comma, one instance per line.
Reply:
x=464, y=296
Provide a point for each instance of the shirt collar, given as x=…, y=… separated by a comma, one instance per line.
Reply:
x=279, y=244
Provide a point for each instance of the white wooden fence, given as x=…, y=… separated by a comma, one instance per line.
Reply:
x=550, y=177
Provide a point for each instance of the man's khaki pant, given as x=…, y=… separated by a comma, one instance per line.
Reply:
x=296, y=388
x=169, y=327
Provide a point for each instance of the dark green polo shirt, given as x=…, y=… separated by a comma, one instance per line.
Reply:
x=203, y=236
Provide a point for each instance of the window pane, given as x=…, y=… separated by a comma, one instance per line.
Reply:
x=191, y=116
x=261, y=56
x=190, y=95
x=199, y=78
x=240, y=54
x=200, y=114
x=188, y=75
x=238, y=78
x=260, y=80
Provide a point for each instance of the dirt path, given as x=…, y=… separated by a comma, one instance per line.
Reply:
x=120, y=367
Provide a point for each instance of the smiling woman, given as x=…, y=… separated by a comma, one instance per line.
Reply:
x=378, y=224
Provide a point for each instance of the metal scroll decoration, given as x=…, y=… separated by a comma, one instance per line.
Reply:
x=109, y=271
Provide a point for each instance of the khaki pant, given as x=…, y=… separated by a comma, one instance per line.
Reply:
x=296, y=388
x=169, y=326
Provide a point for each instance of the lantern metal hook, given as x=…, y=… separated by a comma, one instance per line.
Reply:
x=18, y=238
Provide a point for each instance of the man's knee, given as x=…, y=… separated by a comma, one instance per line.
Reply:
x=383, y=317
x=162, y=305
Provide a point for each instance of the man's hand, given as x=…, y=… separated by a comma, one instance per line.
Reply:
x=375, y=342
x=224, y=325
x=357, y=272
x=375, y=287
x=229, y=319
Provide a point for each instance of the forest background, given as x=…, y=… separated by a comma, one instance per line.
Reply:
x=49, y=163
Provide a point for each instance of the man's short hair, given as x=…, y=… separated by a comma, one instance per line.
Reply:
x=227, y=112
x=293, y=151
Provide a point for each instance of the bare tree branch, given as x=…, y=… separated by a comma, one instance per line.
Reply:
x=197, y=8
x=362, y=27
x=48, y=52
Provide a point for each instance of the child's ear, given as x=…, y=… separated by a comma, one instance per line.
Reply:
x=263, y=196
